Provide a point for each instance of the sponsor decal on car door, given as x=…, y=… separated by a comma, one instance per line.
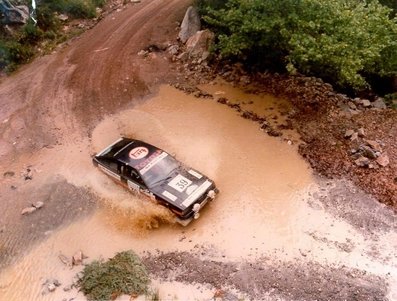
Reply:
x=133, y=186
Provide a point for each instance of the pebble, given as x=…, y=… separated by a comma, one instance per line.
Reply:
x=383, y=160
x=38, y=205
x=28, y=210
x=349, y=133
x=77, y=258
x=354, y=137
x=361, y=132
x=362, y=161
x=366, y=102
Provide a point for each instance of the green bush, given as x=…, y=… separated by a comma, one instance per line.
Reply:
x=31, y=34
x=74, y=8
x=46, y=19
x=122, y=274
x=338, y=40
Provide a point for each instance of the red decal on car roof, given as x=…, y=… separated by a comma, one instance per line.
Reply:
x=138, y=153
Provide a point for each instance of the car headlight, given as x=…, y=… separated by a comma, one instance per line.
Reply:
x=196, y=207
x=211, y=194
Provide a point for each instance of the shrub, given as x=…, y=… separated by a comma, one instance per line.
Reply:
x=337, y=40
x=122, y=274
x=46, y=19
x=74, y=8
x=31, y=34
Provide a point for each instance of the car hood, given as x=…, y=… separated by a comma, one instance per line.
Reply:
x=183, y=187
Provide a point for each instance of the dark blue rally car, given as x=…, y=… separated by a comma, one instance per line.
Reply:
x=146, y=169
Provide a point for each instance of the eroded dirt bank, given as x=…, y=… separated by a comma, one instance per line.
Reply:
x=275, y=232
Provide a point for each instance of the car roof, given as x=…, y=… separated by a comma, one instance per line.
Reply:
x=136, y=153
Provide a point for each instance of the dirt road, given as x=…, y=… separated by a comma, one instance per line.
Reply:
x=276, y=231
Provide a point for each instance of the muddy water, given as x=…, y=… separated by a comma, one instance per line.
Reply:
x=259, y=210
x=260, y=179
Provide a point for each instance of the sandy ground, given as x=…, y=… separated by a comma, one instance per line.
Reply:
x=301, y=238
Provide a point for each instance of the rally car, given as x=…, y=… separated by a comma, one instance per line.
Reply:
x=144, y=168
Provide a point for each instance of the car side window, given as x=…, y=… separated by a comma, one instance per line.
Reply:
x=133, y=175
x=111, y=165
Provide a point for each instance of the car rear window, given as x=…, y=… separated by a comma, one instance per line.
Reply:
x=116, y=148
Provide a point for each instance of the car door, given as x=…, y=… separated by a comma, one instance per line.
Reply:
x=132, y=179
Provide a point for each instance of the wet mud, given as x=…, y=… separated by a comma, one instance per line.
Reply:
x=266, y=280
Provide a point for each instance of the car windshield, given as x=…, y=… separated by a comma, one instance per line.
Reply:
x=160, y=171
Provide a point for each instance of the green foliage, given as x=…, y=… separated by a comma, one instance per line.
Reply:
x=20, y=46
x=31, y=34
x=122, y=274
x=390, y=3
x=338, y=40
x=391, y=100
x=74, y=8
x=13, y=53
x=46, y=19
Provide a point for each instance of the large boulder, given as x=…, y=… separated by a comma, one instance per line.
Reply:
x=190, y=24
x=199, y=44
x=12, y=14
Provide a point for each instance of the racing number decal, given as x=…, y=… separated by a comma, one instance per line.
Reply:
x=180, y=183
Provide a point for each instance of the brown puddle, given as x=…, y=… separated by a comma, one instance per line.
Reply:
x=262, y=181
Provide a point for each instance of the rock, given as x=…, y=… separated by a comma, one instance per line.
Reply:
x=379, y=103
x=374, y=145
x=362, y=161
x=204, y=56
x=68, y=288
x=352, y=105
x=28, y=210
x=190, y=24
x=77, y=258
x=368, y=152
x=14, y=14
x=354, y=136
x=349, y=133
x=135, y=1
x=361, y=132
x=200, y=43
x=383, y=160
x=143, y=53
x=63, y=17
x=38, y=205
x=184, y=56
x=51, y=287
x=366, y=103
x=357, y=101
x=173, y=49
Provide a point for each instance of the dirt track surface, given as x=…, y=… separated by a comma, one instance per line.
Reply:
x=96, y=75
x=48, y=112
